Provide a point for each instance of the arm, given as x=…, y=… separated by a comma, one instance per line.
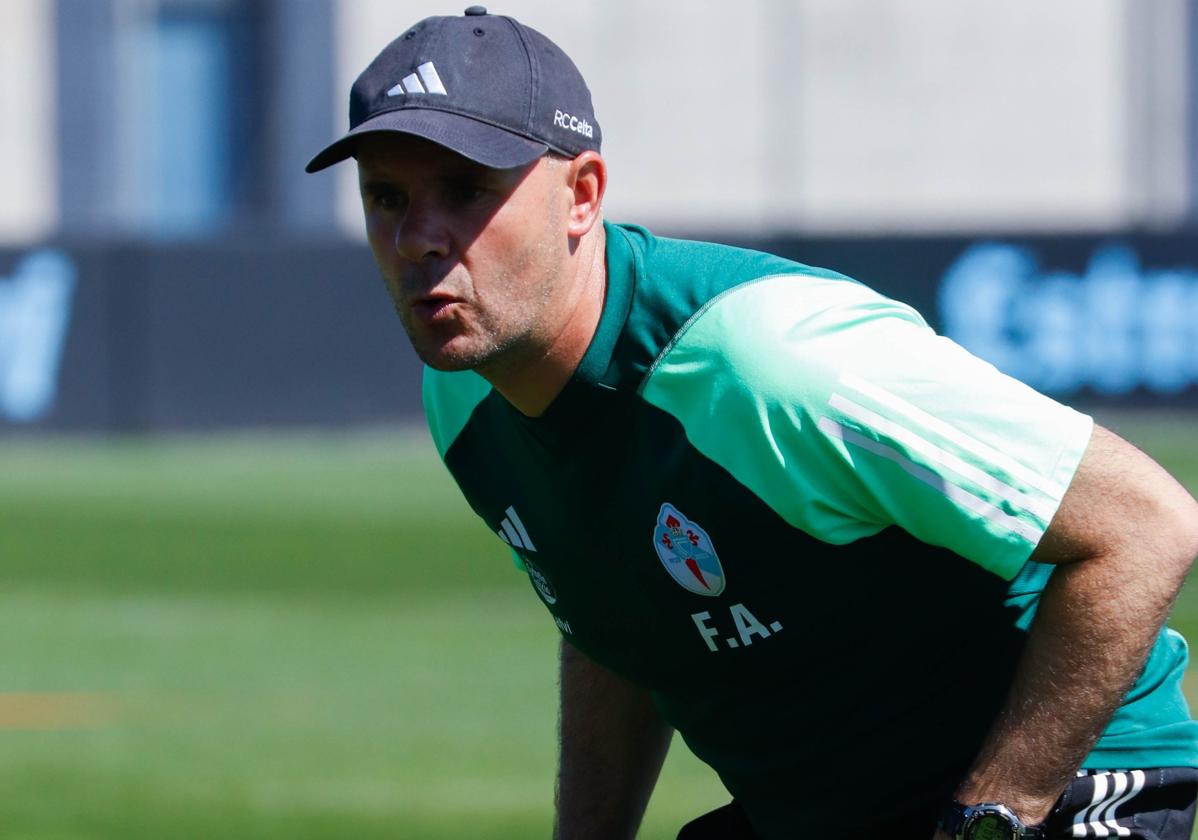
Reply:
x=1124, y=538
x=613, y=744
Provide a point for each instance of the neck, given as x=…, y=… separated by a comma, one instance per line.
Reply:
x=532, y=385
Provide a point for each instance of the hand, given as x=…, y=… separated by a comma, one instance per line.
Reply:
x=941, y=835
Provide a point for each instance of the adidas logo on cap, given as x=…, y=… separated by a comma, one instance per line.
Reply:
x=411, y=83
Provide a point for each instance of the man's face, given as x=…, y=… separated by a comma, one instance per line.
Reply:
x=472, y=257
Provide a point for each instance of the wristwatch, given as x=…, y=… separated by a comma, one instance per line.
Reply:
x=986, y=821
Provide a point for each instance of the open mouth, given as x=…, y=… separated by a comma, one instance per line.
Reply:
x=434, y=308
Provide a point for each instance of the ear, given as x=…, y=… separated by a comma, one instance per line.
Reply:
x=587, y=176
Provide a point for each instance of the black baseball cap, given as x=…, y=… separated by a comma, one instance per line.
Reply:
x=483, y=85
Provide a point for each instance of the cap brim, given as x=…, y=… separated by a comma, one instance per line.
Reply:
x=481, y=142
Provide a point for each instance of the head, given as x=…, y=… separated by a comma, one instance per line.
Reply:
x=478, y=157
x=482, y=264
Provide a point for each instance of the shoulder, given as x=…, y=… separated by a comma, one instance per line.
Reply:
x=680, y=284
x=689, y=273
x=780, y=332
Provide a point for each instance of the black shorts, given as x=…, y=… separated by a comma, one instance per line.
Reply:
x=1145, y=804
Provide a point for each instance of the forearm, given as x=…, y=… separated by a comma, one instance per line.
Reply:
x=1124, y=539
x=613, y=744
x=1093, y=630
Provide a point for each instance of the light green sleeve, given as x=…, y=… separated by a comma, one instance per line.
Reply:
x=449, y=400
x=845, y=413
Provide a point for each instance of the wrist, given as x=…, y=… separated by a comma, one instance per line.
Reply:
x=1031, y=810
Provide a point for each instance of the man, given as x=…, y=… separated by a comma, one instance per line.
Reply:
x=766, y=506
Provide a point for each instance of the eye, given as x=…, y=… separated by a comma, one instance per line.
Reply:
x=387, y=199
x=463, y=193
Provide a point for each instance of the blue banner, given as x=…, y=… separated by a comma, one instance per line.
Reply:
x=150, y=337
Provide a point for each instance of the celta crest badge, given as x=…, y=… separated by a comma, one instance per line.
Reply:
x=687, y=553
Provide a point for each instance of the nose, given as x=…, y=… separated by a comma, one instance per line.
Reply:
x=422, y=234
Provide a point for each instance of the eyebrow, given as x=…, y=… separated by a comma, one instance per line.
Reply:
x=375, y=186
x=466, y=172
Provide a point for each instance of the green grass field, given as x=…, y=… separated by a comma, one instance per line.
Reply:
x=289, y=637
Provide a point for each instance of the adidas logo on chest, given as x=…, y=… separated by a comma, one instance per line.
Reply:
x=512, y=531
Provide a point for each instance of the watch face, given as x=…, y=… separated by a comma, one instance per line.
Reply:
x=990, y=827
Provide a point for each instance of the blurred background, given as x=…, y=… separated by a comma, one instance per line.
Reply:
x=239, y=596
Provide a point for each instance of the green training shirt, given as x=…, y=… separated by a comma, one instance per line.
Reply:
x=801, y=519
